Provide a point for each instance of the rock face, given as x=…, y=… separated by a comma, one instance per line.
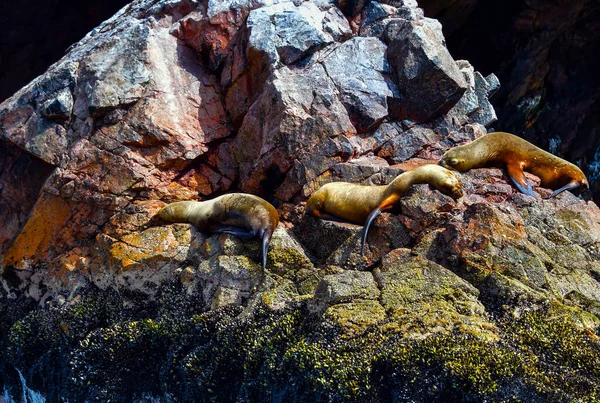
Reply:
x=548, y=96
x=429, y=78
x=178, y=100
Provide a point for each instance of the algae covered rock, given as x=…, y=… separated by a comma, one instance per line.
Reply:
x=422, y=297
x=493, y=297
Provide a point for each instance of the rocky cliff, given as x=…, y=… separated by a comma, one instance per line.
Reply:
x=494, y=296
x=544, y=53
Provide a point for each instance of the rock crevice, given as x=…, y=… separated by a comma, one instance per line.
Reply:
x=180, y=100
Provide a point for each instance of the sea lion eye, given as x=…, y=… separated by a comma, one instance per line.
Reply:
x=453, y=161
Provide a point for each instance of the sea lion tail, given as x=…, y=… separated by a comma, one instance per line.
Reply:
x=363, y=237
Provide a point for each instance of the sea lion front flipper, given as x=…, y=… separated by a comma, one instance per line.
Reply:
x=240, y=233
x=266, y=240
x=568, y=186
x=365, y=231
x=515, y=173
x=385, y=205
x=329, y=217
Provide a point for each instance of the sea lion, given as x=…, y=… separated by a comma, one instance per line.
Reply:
x=360, y=204
x=504, y=150
x=243, y=215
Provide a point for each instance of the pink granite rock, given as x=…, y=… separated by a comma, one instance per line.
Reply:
x=180, y=101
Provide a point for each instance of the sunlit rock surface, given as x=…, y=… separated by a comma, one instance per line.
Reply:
x=491, y=297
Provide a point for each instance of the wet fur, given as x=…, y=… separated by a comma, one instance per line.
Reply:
x=360, y=204
x=504, y=150
x=240, y=214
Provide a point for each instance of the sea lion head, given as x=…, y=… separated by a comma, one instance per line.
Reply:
x=456, y=158
x=447, y=182
x=168, y=214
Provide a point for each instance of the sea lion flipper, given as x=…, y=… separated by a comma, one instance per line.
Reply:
x=515, y=173
x=385, y=205
x=266, y=240
x=365, y=231
x=568, y=186
x=240, y=233
x=318, y=213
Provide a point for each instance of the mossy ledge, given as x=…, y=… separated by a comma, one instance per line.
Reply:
x=98, y=350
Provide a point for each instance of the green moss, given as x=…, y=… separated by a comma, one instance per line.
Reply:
x=168, y=347
x=34, y=336
x=461, y=365
x=561, y=360
x=286, y=261
x=119, y=360
x=357, y=316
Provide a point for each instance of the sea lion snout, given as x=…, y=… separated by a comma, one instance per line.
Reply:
x=454, y=190
x=444, y=163
x=458, y=193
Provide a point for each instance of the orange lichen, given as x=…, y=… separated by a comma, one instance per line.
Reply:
x=49, y=216
x=151, y=244
x=75, y=259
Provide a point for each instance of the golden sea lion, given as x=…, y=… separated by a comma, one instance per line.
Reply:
x=504, y=150
x=360, y=204
x=243, y=215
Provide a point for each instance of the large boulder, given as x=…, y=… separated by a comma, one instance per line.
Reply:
x=488, y=298
x=428, y=78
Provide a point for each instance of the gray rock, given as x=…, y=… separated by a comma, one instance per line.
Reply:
x=408, y=144
x=377, y=15
x=474, y=106
x=485, y=114
x=401, y=3
x=360, y=70
x=294, y=103
x=335, y=24
x=287, y=33
x=344, y=287
x=216, y=7
x=323, y=238
x=48, y=142
x=226, y=280
x=375, y=11
x=423, y=297
x=366, y=171
x=60, y=107
x=115, y=74
x=428, y=79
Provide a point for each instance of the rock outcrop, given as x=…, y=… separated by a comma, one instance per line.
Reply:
x=544, y=54
x=178, y=100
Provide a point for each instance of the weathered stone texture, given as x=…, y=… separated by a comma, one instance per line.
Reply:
x=179, y=100
x=428, y=79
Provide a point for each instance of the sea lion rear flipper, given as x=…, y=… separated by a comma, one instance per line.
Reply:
x=568, y=186
x=365, y=231
x=515, y=173
x=240, y=233
x=385, y=205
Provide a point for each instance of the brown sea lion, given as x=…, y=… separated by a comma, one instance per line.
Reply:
x=243, y=215
x=504, y=150
x=360, y=204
